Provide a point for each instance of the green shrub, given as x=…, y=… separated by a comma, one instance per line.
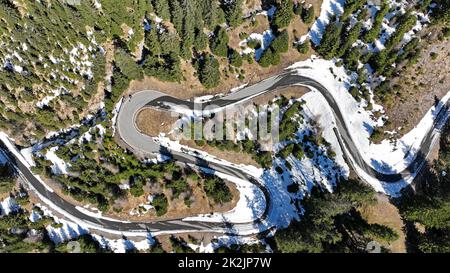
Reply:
x=219, y=43
x=284, y=13
x=235, y=59
x=7, y=178
x=216, y=188
x=268, y=58
x=374, y=32
x=303, y=48
x=446, y=32
x=160, y=204
x=208, y=71
x=253, y=43
x=330, y=41
x=308, y=15
x=281, y=43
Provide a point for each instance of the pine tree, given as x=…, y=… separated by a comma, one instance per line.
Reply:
x=298, y=9
x=284, y=14
x=170, y=43
x=267, y=58
x=373, y=33
x=201, y=40
x=188, y=30
x=351, y=6
x=303, y=48
x=233, y=11
x=349, y=39
x=162, y=8
x=235, y=59
x=219, y=43
x=281, y=43
x=177, y=15
x=152, y=42
x=208, y=71
x=330, y=41
x=128, y=67
x=210, y=13
x=308, y=15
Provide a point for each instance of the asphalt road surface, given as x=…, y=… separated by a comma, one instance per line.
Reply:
x=135, y=140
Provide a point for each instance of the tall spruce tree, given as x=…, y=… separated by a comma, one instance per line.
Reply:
x=219, y=43
x=162, y=8
x=233, y=11
x=284, y=13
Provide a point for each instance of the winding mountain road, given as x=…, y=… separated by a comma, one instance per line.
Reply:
x=135, y=140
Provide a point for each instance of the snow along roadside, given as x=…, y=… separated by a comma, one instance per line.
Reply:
x=387, y=157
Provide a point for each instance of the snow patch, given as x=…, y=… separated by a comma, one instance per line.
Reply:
x=388, y=157
x=59, y=166
x=8, y=206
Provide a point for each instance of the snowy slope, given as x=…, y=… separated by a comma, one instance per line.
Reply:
x=387, y=157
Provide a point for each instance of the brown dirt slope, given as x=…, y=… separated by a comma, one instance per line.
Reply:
x=384, y=213
x=419, y=85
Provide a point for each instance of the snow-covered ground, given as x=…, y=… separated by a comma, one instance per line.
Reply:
x=87, y=136
x=63, y=67
x=251, y=203
x=69, y=230
x=332, y=8
x=59, y=166
x=45, y=101
x=58, y=138
x=224, y=241
x=63, y=230
x=264, y=39
x=327, y=10
x=305, y=172
x=7, y=206
x=11, y=148
x=250, y=206
x=115, y=113
x=123, y=245
x=96, y=213
x=176, y=146
x=238, y=88
x=387, y=157
x=313, y=108
x=3, y=158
